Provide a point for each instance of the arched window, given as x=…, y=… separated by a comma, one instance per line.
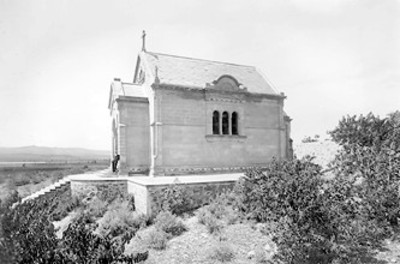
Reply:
x=235, y=130
x=215, y=122
x=225, y=123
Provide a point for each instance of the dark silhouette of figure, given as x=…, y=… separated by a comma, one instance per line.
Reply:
x=115, y=163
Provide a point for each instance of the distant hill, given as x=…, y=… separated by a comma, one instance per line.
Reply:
x=36, y=153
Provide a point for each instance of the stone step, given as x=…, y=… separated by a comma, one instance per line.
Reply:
x=57, y=185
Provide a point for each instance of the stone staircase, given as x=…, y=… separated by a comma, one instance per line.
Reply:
x=61, y=183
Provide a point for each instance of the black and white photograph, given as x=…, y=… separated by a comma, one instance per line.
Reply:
x=200, y=131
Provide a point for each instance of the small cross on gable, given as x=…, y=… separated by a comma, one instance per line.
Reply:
x=144, y=41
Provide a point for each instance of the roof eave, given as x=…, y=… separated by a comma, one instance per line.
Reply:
x=198, y=88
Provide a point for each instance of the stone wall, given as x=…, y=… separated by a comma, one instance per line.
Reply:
x=104, y=189
x=202, y=194
x=147, y=198
x=134, y=135
x=185, y=138
x=141, y=196
x=146, y=191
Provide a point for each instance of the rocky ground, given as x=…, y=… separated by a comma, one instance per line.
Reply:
x=195, y=245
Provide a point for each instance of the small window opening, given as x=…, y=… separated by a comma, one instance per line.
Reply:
x=235, y=124
x=215, y=123
x=225, y=123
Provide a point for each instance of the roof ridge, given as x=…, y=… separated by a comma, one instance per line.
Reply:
x=191, y=58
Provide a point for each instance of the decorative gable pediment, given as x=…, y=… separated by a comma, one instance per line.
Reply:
x=226, y=83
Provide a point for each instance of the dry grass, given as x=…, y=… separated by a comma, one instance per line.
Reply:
x=222, y=252
x=196, y=244
x=27, y=180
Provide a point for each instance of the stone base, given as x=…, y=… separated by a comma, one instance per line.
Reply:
x=143, y=188
x=184, y=171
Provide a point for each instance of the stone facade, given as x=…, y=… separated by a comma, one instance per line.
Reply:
x=103, y=188
x=145, y=190
x=164, y=122
x=202, y=193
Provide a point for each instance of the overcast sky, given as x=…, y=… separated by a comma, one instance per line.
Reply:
x=58, y=58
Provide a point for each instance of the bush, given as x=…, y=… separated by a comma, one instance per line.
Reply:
x=310, y=140
x=120, y=221
x=81, y=245
x=26, y=233
x=177, y=199
x=371, y=153
x=28, y=236
x=155, y=238
x=206, y=218
x=222, y=252
x=310, y=224
x=96, y=207
x=169, y=223
x=58, y=204
x=284, y=188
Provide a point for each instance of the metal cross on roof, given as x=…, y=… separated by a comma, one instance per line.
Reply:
x=144, y=41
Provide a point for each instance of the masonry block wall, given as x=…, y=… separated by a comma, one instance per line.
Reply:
x=185, y=136
x=105, y=189
x=135, y=134
x=147, y=198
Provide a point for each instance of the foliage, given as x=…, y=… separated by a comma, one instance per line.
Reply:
x=81, y=245
x=169, y=223
x=316, y=222
x=120, y=221
x=310, y=139
x=222, y=252
x=96, y=207
x=176, y=198
x=217, y=212
x=27, y=235
x=368, y=131
x=213, y=224
x=283, y=189
x=310, y=224
x=59, y=203
x=155, y=238
x=371, y=156
x=112, y=194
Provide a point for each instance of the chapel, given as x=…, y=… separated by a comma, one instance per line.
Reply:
x=182, y=115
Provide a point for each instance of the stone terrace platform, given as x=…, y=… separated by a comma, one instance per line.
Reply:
x=144, y=188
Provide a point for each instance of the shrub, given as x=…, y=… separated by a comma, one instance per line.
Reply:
x=169, y=223
x=371, y=152
x=26, y=233
x=206, y=218
x=120, y=221
x=310, y=140
x=27, y=236
x=284, y=188
x=58, y=204
x=81, y=245
x=155, y=238
x=222, y=252
x=310, y=224
x=96, y=207
x=177, y=199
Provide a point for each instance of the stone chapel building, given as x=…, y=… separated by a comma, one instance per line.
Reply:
x=182, y=115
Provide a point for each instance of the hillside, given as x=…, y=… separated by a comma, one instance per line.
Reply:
x=38, y=153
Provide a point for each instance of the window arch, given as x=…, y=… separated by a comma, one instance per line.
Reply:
x=235, y=130
x=215, y=122
x=225, y=123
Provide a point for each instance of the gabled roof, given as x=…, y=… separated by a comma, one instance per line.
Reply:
x=120, y=89
x=196, y=73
